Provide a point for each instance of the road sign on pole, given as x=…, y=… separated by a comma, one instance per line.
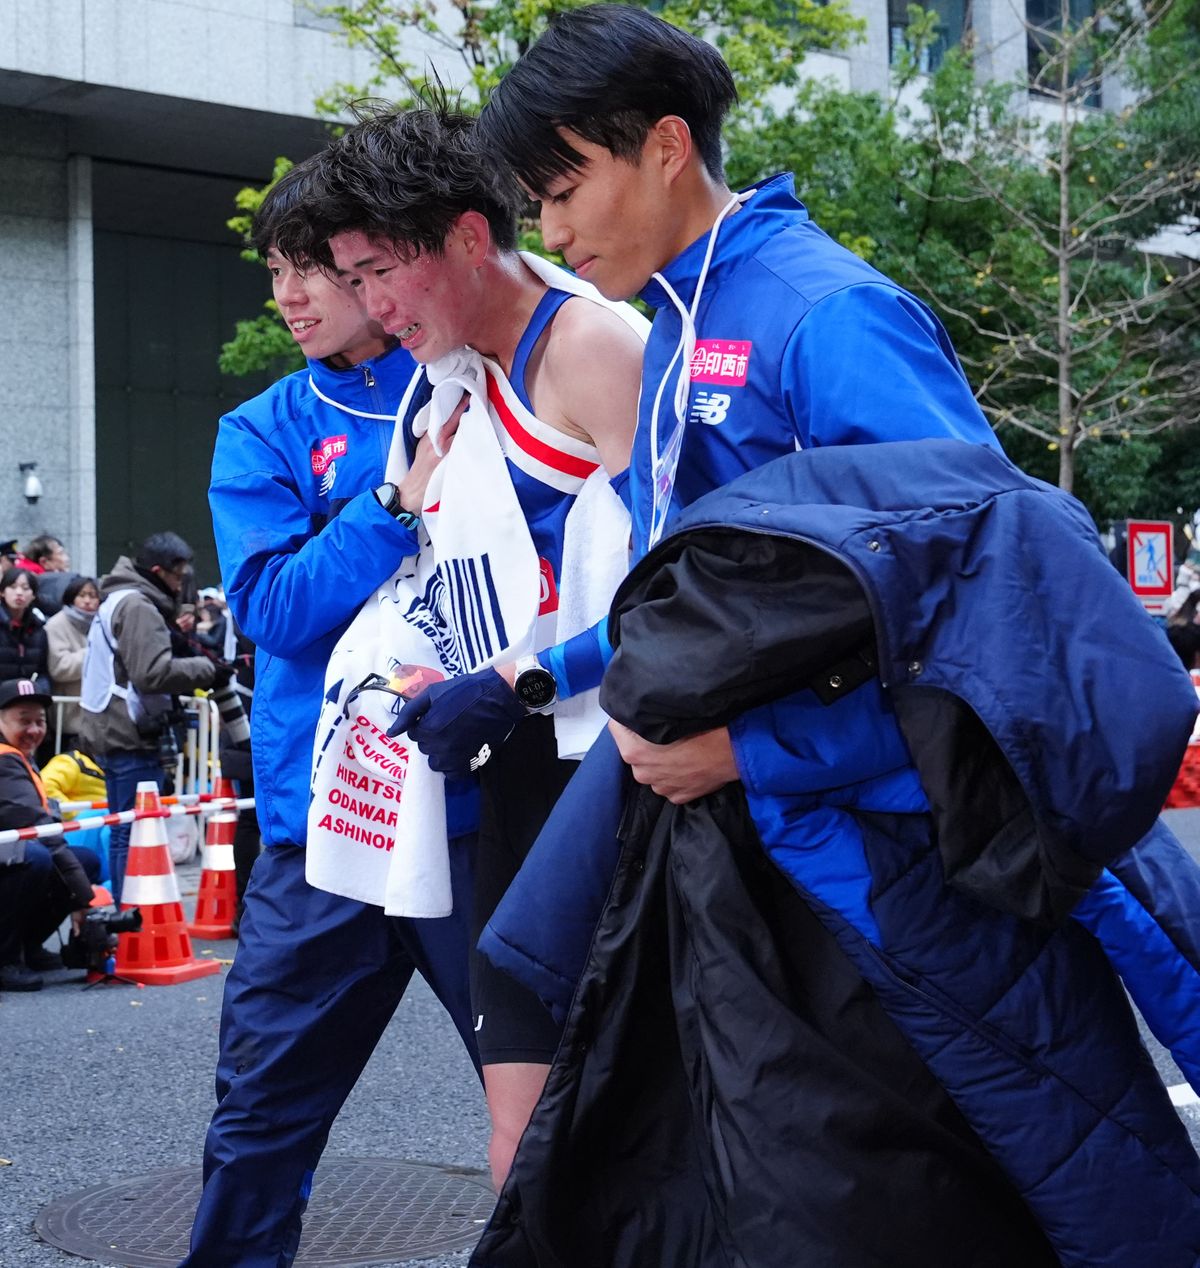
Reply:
x=1151, y=563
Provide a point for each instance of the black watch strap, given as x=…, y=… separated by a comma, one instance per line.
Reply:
x=388, y=496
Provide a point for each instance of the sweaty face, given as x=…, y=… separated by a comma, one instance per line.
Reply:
x=325, y=317
x=608, y=219
x=23, y=726
x=424, y=302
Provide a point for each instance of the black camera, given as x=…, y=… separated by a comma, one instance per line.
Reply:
x=163, y=730
x=94, y=946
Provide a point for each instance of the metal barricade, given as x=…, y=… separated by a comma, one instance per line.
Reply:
x=198, y=766
x=60, y=705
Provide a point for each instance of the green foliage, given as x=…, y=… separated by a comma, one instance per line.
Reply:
x=248, y=201
x=264, y=342
x=1021, y=225
x=764, y=41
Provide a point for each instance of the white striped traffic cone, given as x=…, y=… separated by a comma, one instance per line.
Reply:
x=160, y=953
x=216, y=903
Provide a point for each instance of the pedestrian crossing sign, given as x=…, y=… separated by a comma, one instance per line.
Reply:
x=1151, y=566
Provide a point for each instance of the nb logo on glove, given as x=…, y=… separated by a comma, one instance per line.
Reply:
x=481, y=757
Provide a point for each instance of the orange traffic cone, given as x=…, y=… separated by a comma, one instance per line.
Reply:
x=160, y=953
x=217, y=900
x=223, y=787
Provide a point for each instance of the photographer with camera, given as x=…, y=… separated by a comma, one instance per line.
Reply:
x=40, y=881
x=132, y=673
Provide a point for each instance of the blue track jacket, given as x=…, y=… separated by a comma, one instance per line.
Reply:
x=799, y=345
x=303, y=543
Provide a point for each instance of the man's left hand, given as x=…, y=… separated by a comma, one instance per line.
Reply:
x=459, y=723
x=683, y=770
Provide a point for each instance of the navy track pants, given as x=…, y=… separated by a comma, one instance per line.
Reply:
x=314, y=984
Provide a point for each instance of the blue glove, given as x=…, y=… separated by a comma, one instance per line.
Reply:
x=458, y=723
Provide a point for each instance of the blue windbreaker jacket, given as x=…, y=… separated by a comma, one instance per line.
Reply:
x=303, y=543
x=799, y=345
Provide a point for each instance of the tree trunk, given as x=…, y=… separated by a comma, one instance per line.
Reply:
x=1066, y=406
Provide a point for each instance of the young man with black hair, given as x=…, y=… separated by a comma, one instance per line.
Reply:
x=423, y=226
x=306, y=530
x=767, y=338
x=131, y=675
x=770, y=339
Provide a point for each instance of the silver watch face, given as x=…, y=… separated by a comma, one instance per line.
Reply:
x=535, y=688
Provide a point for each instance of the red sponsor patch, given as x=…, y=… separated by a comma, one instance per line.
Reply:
x=325, y=452
x=724, y=361
x=549, y=597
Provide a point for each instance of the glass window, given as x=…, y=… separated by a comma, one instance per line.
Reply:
x=1043, y=20
x=954, y=17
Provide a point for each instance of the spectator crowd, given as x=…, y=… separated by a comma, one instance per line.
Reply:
x=92, y=672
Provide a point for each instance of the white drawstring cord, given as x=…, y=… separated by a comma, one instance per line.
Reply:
x=683, y=381
x=346, y=409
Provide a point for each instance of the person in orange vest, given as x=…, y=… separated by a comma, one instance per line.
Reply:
x=41, y=881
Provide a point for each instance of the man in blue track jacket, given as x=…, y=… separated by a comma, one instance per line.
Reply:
x=306, y=530
x=768, y=339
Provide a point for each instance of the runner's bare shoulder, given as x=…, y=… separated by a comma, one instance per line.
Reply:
x=593, y=367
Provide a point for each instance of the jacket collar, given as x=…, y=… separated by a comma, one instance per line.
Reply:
x=772, y=207
x=360, y=388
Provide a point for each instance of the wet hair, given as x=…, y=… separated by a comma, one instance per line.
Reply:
x=608, y=72
x=399, y=176
x=42, y=548
x=163, y=550
x=75, y=587
x=11, y=576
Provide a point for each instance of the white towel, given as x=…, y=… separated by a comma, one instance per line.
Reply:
x=469, y=599
x=594, y=563
x=376, y=826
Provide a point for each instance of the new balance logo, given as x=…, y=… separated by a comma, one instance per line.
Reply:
x=710, y=407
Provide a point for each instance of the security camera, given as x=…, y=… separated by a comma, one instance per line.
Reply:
x=32, y=487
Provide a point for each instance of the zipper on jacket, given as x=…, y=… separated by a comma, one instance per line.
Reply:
x=368, y=377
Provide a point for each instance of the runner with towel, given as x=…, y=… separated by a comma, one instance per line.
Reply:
x=483, y=651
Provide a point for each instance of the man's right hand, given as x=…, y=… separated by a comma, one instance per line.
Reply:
x=425, y=460
x=682, y=770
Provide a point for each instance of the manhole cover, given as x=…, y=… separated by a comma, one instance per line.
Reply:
x=363, y=1211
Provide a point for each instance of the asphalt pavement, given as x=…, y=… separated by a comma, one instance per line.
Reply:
x=115, y=1081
